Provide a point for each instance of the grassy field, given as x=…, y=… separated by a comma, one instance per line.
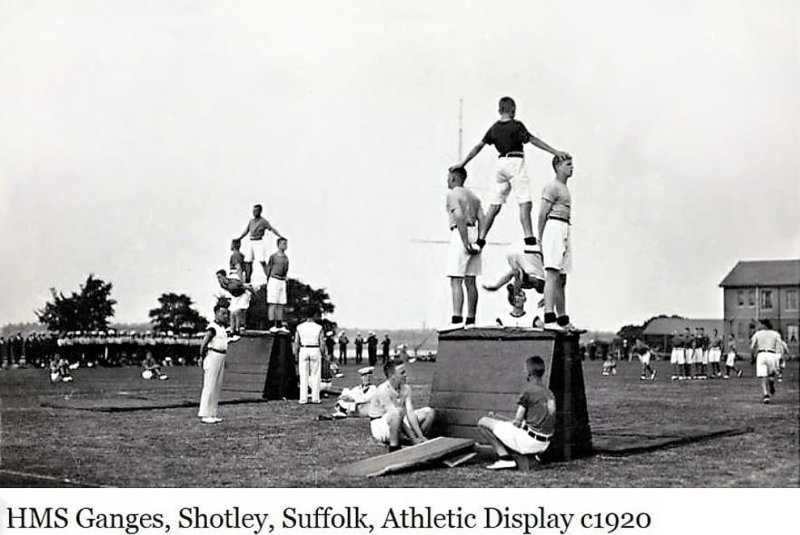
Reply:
x=282, y=444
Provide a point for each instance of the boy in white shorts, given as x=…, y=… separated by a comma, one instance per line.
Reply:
x=277, y=270
x=509, y=137
x=715, y=353
x=554, y=234
x=730, y=360
x=463, y=257
x=257, y=248
x=678, y=357
x=765, y=345
x=645, y=355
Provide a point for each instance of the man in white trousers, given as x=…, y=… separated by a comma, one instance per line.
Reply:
x=308, y=344
x=212, y=350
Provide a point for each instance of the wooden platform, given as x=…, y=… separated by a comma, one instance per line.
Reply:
x=260, y=365
x=483, y=369
x=428, y=452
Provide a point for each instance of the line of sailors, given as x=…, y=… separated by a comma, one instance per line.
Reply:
x=99, y=348
x=698, y=356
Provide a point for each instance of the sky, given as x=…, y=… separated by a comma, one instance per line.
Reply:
x=135, y=136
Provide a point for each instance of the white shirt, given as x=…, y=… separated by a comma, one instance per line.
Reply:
x=766, y=340
x=308, y=333
x=219, y=342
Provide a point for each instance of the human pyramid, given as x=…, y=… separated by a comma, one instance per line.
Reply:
x=545, y=258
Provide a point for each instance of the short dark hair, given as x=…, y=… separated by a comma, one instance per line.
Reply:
x=507, y=105
x=258, y=206
x=459, y=172
x=535, y=366
x=221, y=272
x=218, y=307
x=558, y=159
x=512, y=293
x=279, y=240
x=236, y=242
x=766, y=323
x=388, y=368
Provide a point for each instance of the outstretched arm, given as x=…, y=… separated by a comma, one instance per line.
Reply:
x=540, y=144
x=474, y=152
x=244, y=233
x=505, y=279
x=273, y=229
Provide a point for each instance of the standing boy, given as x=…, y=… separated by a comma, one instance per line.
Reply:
x=277, y=269
x=463, y=258
x=257, y=249
x=509, y=137
x=530, y=431
x=308, y=343
x=554, y=233
x=764, y=345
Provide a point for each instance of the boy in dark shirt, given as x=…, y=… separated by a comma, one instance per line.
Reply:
x=530, y=431
x=509, y=136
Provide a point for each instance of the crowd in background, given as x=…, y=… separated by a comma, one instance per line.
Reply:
x=98, y=348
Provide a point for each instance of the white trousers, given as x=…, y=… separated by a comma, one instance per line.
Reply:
x=310, y=363
x=213, y=368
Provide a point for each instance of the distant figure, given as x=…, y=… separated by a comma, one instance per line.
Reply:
x=530, y=431
x=554, y=233
x=277, y=270
x=764, y=345
x=372, y=349
x=610, y=363
x=151, y=368
x=730, y=359
x=257, y=249
x=465, y=216
x=715, y=353
x=509, y=137
x=359, y=343
x=59, y=370
x=343, y=341
x=213, y=350
x=308, y=343
x=701, y=353
x=644, y=354
x=386, y=343
x=393, y=418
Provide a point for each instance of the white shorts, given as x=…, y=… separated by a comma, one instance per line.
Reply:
x=510, y=175
x=459, y=262
x=513, y=437
x=677, y=356
x=730, y=361
x=380, y=426
x=714, y=354
x=530, y=263
x=241, y=302
x=701, y=356
x=556, y=246
x=256, y=251
x=276, y=291
x=690, y=355
x=766, y=364
x=645, y=359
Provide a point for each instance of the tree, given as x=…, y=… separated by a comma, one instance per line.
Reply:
x=305, y=301
x=175, y=312
x=86, y=310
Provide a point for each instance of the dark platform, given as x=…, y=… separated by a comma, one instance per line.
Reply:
x=483, y=369
x=261, y=365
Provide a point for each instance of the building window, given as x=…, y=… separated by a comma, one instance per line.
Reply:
x=766, y=299
x=791, y=299
x=791, y=334
x=751, y=298
x=740, y=298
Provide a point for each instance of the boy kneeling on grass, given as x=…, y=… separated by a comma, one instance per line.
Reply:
x=532, y=428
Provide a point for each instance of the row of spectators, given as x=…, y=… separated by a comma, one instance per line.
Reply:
x=99, y=348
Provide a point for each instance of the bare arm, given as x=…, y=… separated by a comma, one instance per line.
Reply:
x=412, y=419
x=246, y=230
x=519, y=417
x=474, y=152
x=540, y=144
x=505, y=279
x=544, y=211
x=270, y=263
x=204, y=344
x=273, y=229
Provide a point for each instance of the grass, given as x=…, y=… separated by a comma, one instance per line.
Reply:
x=281, y=444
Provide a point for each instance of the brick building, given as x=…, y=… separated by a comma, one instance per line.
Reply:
x=756, y=290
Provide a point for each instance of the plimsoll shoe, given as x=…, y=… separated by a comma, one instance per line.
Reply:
x=502, y=464
x=766, y=400
x=653, y=377
x=451, y=327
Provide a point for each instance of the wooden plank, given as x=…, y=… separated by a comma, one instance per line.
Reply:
x=458, y=460
x=405, y=458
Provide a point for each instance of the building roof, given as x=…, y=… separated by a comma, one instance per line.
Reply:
x=667, y=326
x=763, y=273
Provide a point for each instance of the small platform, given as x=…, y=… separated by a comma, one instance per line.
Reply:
x=434, y=450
